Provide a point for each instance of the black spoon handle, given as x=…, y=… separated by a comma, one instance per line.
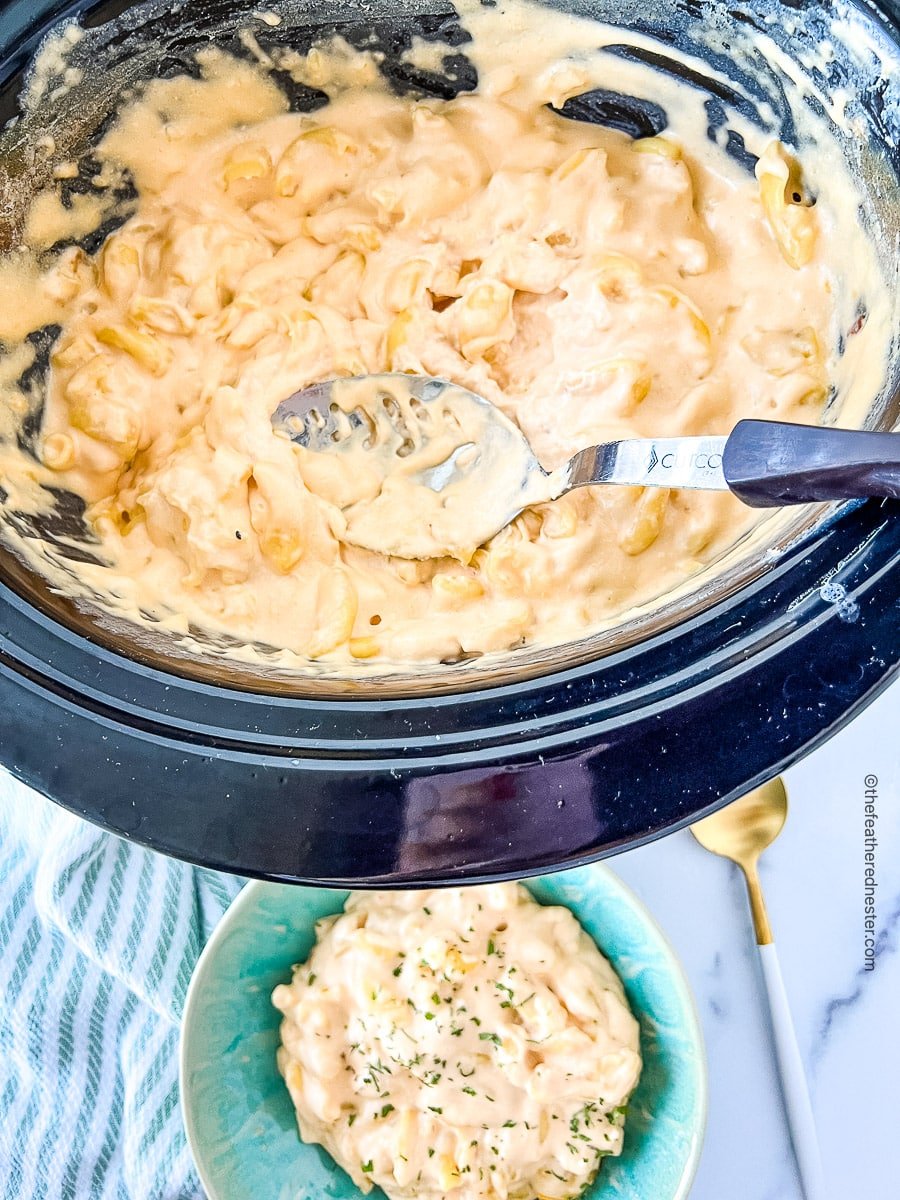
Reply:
x=770, y=463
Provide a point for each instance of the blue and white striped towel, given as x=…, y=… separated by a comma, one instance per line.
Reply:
x=98, y=939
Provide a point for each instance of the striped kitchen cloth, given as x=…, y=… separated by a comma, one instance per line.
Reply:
x=98, y=939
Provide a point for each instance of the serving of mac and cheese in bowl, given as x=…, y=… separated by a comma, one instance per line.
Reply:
x=576, y=1066
x=609, y=226
x=477, y=1044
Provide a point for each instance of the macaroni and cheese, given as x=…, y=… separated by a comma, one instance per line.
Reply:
x=592, y=285
x=459, y=1044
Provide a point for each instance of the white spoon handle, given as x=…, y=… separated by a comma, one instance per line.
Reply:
x=793, y=1079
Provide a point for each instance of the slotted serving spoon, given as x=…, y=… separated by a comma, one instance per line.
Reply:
x=432, y=469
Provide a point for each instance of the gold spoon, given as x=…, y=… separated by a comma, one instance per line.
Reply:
x=740, y=832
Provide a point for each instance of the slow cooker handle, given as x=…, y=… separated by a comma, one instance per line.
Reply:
x=770, y=463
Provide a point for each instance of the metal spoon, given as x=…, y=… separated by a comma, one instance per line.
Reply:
x=445, y=469
x=741, y=832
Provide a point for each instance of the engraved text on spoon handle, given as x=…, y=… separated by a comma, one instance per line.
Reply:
x=689, y=462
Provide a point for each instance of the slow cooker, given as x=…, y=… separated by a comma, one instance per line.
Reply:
x=487, y=768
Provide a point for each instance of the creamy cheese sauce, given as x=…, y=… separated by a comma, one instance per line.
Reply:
x=591, y=286
x=459, y=1043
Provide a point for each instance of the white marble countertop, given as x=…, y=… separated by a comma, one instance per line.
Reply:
x=846, y=1017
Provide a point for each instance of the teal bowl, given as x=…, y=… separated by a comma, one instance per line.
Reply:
x=239, y=1118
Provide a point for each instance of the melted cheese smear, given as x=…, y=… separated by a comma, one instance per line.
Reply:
x=459, y=1044
x=591, y=286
